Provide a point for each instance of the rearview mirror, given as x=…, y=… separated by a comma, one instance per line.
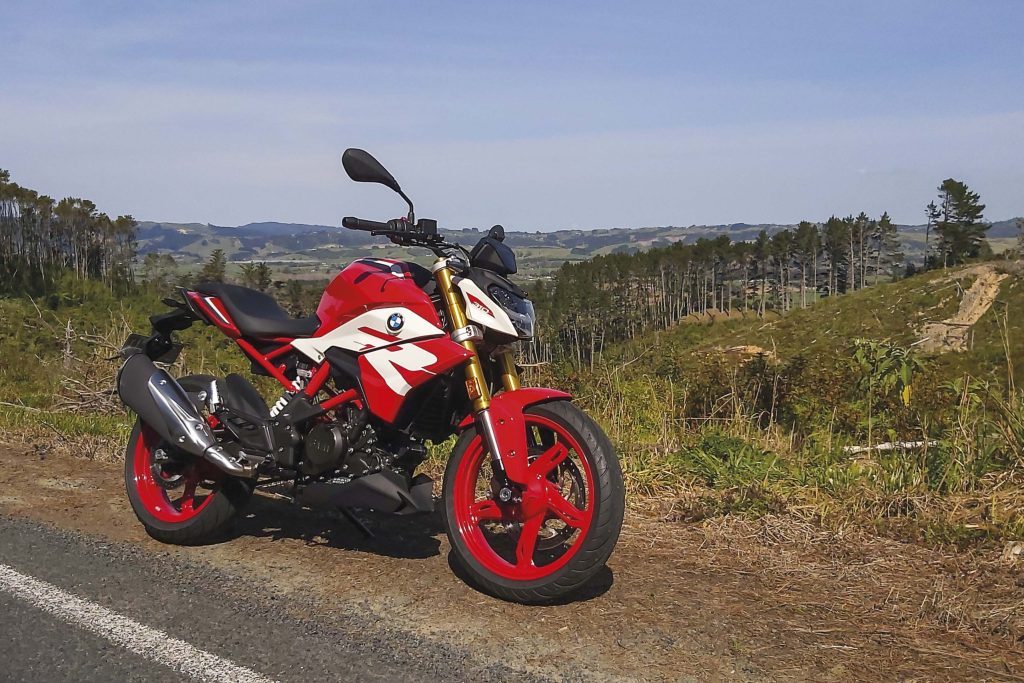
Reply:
x=363, y=168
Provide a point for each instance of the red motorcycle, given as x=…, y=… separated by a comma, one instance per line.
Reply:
x=395, y=356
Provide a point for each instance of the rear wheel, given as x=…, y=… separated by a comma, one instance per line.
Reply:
x=537, y=545
x=179, y=498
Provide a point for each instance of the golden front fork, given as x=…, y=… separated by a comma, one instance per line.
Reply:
x=476, y=383
x=509, y=374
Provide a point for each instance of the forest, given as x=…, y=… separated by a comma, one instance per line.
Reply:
x=618, y=297
x=43, y=241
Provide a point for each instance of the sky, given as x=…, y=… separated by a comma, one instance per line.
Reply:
x=537, y=115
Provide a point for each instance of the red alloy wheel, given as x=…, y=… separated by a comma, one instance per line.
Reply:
x=540, y=530
x=187, y=501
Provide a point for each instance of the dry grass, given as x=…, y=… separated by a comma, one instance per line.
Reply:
x=848, y=590
x=55, y=434
x=974, y=592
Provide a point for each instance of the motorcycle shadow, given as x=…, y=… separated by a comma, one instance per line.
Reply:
x=413, y=537
x=597, y=586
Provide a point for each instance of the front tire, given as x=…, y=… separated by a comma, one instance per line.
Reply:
x=534, y=553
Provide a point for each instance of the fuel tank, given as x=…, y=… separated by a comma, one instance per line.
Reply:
x=380, y=328
x=367, y=284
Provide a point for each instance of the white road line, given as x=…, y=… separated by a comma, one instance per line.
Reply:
x=150, y=643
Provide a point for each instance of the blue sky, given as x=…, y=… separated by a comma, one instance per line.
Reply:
x=538, y=115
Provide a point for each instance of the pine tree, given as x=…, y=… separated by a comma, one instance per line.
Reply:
x=257, y=276
x=835, y=241
x=782, y=251
x=889, y=255
x=762, y=254
x=215, y=269
x=808, y=244
x=961, y=227
x=293, y=297
x=933, y=214
x=861, y=228
x=264, y=277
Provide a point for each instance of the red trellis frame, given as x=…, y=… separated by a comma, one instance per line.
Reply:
x=216, y=313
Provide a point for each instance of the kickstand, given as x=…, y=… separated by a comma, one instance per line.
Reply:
x=356, y=522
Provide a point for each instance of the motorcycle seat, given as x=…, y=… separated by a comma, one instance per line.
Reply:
x=257, y=314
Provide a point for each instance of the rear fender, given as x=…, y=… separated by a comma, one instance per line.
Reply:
x=509, y=427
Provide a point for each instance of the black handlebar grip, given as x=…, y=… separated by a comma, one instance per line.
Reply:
x=361, y=224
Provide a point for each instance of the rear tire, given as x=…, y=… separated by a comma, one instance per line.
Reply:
x=597, y=508
x=196, y=520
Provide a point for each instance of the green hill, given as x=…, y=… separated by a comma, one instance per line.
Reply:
x=896, y=311
x=750, y=416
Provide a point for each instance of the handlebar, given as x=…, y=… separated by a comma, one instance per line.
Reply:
x=422, y=233
x=353, y=223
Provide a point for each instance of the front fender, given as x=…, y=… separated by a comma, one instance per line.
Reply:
x=506, y=417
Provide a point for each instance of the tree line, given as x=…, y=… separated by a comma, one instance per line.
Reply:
x=43, y=241
x=586, y=306
x=617, y=297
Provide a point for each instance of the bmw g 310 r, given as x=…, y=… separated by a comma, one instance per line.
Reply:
x=395, y=355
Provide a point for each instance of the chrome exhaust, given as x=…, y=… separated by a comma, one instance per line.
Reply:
x=163, y=404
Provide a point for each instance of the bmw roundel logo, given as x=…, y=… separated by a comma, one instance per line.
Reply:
x=395, y=322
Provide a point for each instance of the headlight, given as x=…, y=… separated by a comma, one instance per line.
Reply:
x=519, y=310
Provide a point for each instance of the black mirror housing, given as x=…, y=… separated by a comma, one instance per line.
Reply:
x=362, y=167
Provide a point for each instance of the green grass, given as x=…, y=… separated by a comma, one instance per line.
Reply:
x=735, y=434
x=702, y=431
x=64, y=424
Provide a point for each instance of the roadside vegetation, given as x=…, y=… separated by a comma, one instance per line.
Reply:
x=785, y=376
x=831, y=414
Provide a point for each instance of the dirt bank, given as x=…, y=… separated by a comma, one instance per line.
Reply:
x=953, y=333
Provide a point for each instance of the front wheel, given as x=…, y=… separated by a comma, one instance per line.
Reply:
x=538, y=545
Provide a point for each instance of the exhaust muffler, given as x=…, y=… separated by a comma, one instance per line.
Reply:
x=163, y=404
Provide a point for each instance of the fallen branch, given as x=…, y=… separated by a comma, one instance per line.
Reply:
x=888, y=446
x=20, y=405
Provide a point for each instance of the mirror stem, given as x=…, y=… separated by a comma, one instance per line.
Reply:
x=412, y=214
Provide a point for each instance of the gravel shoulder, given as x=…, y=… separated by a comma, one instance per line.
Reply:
x=769, y=600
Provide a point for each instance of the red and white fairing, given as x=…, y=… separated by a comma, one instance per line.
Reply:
x=375, y=311
x=393, y=359
x=483, y=310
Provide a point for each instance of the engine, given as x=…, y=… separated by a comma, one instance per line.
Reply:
x=348, y=446
x=324, y=447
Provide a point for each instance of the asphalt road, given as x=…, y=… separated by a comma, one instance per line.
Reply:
x=77, y=608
